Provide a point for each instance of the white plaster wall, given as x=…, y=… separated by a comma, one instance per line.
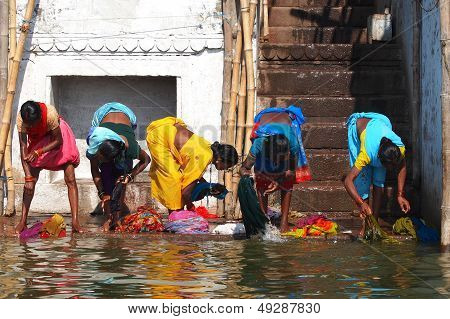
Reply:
x=431, y=117
x=179, y=38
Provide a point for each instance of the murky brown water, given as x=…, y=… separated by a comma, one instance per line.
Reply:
x=95, y=266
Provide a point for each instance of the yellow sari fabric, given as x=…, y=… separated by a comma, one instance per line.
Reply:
x=171, y=170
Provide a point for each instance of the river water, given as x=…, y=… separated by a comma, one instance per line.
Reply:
x=102, y=266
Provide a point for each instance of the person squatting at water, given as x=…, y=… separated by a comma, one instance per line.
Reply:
x=373, y=148
x=112, y=147
x=46, y=142
x=278, y=156
x=179, y=160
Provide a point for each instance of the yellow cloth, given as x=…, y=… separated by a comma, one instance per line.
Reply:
x=54, y=225
x=363, y=158
x=171, y=170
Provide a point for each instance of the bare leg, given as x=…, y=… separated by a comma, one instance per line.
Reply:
x=72, y=190
x=107, y=212
x=263, y=201
x=286, y=197
x=377, y=197
x=28, y=194
x=363, y=228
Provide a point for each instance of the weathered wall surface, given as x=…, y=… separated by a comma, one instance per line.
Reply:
x=177, y=39
x=431, y=117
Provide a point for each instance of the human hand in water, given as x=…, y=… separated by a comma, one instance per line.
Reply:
x=365, y=210
x=404, y=204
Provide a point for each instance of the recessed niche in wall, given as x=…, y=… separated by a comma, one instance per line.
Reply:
x=77, y=98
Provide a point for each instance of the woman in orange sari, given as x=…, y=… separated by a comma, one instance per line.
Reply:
x=46, y=142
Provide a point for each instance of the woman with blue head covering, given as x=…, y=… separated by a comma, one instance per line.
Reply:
x=112, y=147
x=374, y=148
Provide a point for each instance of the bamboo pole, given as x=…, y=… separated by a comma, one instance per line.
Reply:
x=3, y=75
x=12, y=81
x=229, y=19
x=231, y=121
x=11, y=197
x=265, y=19
x=248, y=50
x=240, y=131
x=252, y=13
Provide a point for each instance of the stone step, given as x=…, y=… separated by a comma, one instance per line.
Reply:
x=320, y=133
x=328, y=165
x=330, y=197
x=390, y=105
x=317, y=35
x=321, y=3
x=319, y=17
x=361, y=53
x=326, y=83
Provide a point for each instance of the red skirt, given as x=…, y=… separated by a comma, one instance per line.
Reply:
x=58, y=158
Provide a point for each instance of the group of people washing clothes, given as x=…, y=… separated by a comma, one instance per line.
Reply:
x=179, y=158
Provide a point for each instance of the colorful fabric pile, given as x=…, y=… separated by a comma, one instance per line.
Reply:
x=53, y=227
x=191, y=225
x=315, y=225
x=416, y=228
x=146, y=219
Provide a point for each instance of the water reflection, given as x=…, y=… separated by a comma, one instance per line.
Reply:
x=164, y=267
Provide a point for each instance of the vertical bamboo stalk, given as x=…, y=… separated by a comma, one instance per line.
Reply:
x=248, y=50
x=12, y=30
x=3, y=75
x=265, y=19
x=11, y=197
x=229, y=20
x=240, y=130
x=231, y=121
x=252, y=13
x=12, y=81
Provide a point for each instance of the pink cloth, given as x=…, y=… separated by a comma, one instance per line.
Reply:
x=56, y=159
x=182, y=214
x=306, y=221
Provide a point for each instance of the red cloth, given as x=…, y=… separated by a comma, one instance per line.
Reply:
x=263, y=182
x=203, y=212
x=56, y=159
x=37, y=132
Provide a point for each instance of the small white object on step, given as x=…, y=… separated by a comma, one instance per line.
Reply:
x=229, y=229
x=379, y=27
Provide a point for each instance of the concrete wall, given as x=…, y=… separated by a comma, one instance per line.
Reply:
x=431, y=117
x=180, y=40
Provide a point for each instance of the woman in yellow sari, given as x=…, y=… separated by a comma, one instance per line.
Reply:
x=179, y=160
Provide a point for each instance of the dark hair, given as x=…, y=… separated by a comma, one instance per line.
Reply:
x=225, y=152
x=389, y=153
x=111, y=149
x=276, y=145
x=30, y=111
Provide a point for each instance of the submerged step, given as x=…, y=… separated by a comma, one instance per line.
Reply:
x=323, y=17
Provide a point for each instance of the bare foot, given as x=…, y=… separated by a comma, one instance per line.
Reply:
x=76, y=228
x=284, y=228
x=20, y=227
x=107, y=225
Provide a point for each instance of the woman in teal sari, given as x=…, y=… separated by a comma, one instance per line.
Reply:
x=373, y=149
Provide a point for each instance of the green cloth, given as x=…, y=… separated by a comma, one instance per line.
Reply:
x=373, y=231
x=405, y=226
x=253, y=217
x=133, y=149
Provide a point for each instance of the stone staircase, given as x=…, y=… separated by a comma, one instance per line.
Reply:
x=317, y=56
